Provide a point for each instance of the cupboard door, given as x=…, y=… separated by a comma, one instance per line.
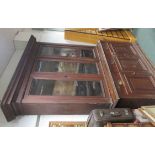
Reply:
x=67, y=79
x=132, y=74
x=127, y=58
x=131, y=65
x=123, y=51
x=139, y=85
x=58, y=79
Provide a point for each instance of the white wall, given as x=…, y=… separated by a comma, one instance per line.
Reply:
x=7, y=47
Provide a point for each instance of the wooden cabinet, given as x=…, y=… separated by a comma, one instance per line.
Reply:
x=59, y=79
x=73, y=79
x=132, y=73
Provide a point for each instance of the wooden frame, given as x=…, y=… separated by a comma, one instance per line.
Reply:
x=18, y=101
x=9, y=107
x=134, y=81
x=125, y=75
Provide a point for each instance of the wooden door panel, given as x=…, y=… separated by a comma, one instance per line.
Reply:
x=127, y=58
x=132, y=73
x=142, y=85
x=61, y=109
x=132, y=65
x=124, y=51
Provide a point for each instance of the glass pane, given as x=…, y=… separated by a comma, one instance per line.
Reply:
x=66, y=52
x=71, y=67
x=41, y=87
x=65, y=88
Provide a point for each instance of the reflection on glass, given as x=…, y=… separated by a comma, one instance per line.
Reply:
x=66, y=52
x=41, y=87
x=56, y=66
x=65, y=88
x=88, y=68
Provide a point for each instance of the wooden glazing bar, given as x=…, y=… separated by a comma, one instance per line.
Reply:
x=68, y=59
x=59, y=45
x=66, y=76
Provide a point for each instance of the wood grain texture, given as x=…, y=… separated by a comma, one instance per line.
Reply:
x=8, y=105
x=130, y=125
x=18, y=100
x=126, y=77
x=132, y=73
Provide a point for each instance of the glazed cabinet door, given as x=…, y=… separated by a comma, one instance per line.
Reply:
x=66, y=79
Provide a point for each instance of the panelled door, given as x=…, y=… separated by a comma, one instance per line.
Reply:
x=132, y=72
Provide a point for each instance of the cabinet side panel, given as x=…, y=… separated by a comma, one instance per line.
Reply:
x=8, y=103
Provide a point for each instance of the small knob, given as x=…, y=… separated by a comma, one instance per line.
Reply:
x=120, y=82
x=133, y=73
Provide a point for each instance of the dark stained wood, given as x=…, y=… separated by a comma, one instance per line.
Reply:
x=132, y=73
x=43, y=44
x=146, y=124
x=83, y=104
x=61, y=109
x=67, y=59
x=17, y=100
x=126, y=76
x=105, y=70
x=8, y=105
x=65, y=99
x=27, y=72
x=66, y=76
